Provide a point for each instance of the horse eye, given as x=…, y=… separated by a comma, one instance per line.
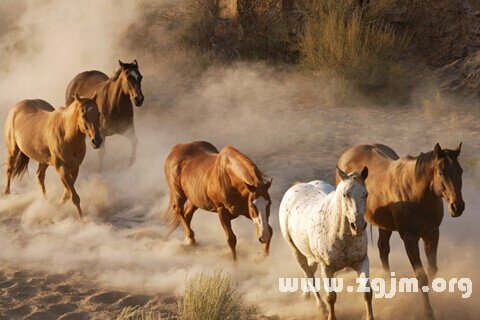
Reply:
x=440, y=173
x=366, y=195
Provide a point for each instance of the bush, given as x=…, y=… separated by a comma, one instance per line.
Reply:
x=356, y=44
x=212, y=297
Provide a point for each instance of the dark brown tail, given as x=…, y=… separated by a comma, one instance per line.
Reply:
x=21, y=165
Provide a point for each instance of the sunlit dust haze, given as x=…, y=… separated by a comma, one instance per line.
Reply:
x=287, y=122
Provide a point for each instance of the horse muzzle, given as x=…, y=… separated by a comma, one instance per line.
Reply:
x=139, y=100
x=357, y=230
x=457, y=208
x=96, y=142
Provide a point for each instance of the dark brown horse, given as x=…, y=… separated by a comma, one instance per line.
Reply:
x=114, y=97
x=225, y=182
x=405, y=195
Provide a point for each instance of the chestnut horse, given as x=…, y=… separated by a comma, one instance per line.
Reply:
x=226, y=182
x=35, y=130
x=405, y=195
x=113, y=98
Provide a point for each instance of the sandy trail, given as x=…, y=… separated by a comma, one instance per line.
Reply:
x=123, y=246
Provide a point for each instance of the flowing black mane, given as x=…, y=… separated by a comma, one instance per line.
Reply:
x=424, y=161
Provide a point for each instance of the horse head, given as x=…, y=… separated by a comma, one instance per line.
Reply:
x=132, y=81
x=89, y=122
x=447, y=179
x=259, y=209
x=353, y=199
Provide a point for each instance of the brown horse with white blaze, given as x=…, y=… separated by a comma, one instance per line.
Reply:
x=405, y=195
x=114, y=99
x=225, y=182
x=35, y=130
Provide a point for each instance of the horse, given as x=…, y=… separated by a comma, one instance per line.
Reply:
x=225, y=182
x=406, y=196
x=35, y=130
x=113, y=98
x=325, y=226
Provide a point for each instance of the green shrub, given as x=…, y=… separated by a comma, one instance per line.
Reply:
x=356, y=44
x=212, y=297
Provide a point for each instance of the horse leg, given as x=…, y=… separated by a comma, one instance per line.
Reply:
x=431, y=245
x=363, y=272
x=9, y=164
x=133, y=142
x=66, y=177
x=66, y=193
x=42, y=168
x=309, y=271
x=226, y=222
x=179, y=209
x=266, y=246
x=327, y=275
x=384, y=248
x=413, y=252
x=189, y=234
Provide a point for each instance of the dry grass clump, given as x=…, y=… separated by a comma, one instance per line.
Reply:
x=356, y=44
x=137, y=313
x=214, y=297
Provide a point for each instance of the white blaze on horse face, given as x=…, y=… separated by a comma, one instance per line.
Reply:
x=134, y=74
x=354, y=205
x=261, y=220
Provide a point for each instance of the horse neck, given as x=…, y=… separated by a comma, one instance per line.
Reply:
x=339, y=222
x=70, y=117
x=243, y=170
x=116, y=95
x=419, y=183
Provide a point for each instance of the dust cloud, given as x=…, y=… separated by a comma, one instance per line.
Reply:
x=289, y=124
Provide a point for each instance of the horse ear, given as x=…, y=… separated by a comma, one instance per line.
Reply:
x=250, y=187
x=459, y=149
x=364, y=173
x=77, y=97
x=121, y=64
x=438, y=151
x=342, y=174
x=94, y=96
x=268, y=183
x=135, y=62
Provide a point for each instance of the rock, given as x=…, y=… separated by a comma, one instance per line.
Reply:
x=107, y=297
x=134, y=301
x=461, y=77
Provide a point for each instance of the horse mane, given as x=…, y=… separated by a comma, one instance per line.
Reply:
x=116, y=74
x=255, y=173
x=422, y=162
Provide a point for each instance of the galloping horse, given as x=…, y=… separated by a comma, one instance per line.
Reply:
x=35, y=130
x=113, y=99
x=226, y=182
x=325, y=227
x=406, y=196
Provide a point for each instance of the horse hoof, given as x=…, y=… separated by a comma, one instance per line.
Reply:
x=190, y=242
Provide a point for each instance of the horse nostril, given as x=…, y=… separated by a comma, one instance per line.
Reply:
x=261, y=240
x=353, y=226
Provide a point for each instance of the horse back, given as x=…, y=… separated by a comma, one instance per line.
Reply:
x=188, y=170
x=383, y=182
x=84, y=84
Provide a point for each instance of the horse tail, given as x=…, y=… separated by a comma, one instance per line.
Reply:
x=172, y=216
x=20, y=165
